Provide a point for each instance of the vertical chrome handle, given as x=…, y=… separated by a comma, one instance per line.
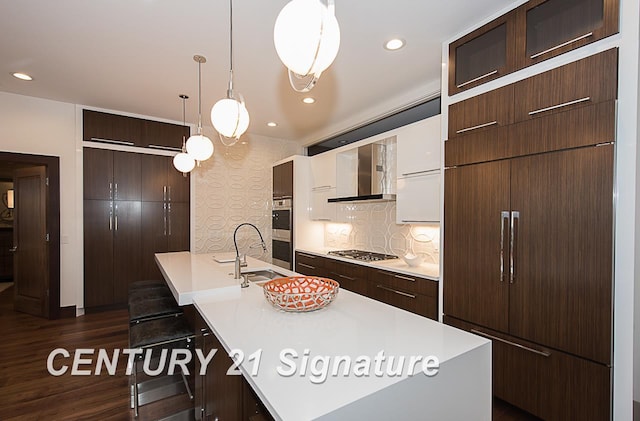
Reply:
x=515, y=216
x=110, y=191
x=169, y=217
x=504, y=218
x=116, y=217
x=164, y=193
x=164, y=212
x=115, y=194
x=110, y=216
x=169, y=193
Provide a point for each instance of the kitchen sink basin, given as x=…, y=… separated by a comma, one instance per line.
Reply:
x=262, y=276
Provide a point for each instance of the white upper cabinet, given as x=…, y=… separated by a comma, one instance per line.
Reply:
x=418, y=198
x=323, y=170
x=419, y=147
x=323, y=186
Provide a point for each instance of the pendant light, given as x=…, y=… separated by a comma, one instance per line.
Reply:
x=307, y=38
x=198, y=145
x=229, y=115
x=183, y=161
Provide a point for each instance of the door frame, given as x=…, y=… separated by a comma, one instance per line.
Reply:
x=52, y=170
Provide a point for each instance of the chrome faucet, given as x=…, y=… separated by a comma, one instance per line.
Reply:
x=242, y=262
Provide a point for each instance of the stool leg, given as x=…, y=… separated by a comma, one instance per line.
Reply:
x=135, y=388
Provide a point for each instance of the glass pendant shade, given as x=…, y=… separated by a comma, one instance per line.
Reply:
x=307, y=38
x=184, y=162
x=199, y=147
x=230, y=118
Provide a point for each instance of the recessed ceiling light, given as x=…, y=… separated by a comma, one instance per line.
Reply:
x=394, y=44
x=308, y=100
x=272, y=124
x=22, y=76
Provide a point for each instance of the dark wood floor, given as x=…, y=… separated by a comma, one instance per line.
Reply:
x=27, y=391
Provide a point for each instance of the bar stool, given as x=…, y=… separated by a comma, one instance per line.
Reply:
x=156, y=335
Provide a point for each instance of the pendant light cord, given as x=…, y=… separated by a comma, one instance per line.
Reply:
x=199, y=98
x=184, y=121
x=230, y=91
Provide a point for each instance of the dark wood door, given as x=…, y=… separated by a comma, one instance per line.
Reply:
x=178, y=187
x=283, y=180
x=98, y=253
x=154, y=178
x=112, y=128
x=126, y=176
x=31, y=255
x=177, y=226
x=223, y=391
x=162, y=135
x=154, y=237
x=475, y=288
x=97, y=173
x=126, y=248
x=562, y=287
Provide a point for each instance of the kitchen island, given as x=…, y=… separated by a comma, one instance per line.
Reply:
x=312, y=366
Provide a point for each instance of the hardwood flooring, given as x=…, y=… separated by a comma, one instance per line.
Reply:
x=28, y=391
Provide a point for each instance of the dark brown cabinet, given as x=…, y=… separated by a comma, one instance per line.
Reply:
x=411, y=293
x=529, y=34
x=112, y=128
x=123, y=224
x=482, y=55
x=283, y=181
x=130, y=131
x=548, y=28
x=567, y=107
x=165, y=211
x=6, y=256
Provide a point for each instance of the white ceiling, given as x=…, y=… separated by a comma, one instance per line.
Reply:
x=136, y=56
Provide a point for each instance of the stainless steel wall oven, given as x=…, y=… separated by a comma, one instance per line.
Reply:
x=281, y=224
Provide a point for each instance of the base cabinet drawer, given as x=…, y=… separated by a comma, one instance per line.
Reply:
x=349, y=276
x=547, y=383
x=415, y=303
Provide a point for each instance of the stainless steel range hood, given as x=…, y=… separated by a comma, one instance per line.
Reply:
x=369, y=175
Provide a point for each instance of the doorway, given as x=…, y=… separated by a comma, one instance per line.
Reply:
x=34, y=222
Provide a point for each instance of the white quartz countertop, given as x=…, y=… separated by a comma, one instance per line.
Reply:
x=189, y=274
x=425, y=270
x=352, y=326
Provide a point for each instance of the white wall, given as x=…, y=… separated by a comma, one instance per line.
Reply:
x=42, y=127
x=235, y=186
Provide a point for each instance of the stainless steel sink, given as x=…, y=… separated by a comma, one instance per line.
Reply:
x=263, y=275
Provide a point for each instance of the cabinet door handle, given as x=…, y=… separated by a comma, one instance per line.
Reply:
x=164, y=213
x=493, y=72
x=115, y=191
x=306, y=255
x=479, y=126
x=348, y=278
x=320, y=188
x=548, y=50
x=306, y=266
x=504, y=341
x=420, y=172
x=116, y=217
x=111, y=216
x=13, y=249
x=409, y=221
x=169, y=217
x=564, y=104
x=504, y=219
x=165, y=148
x=117, y=142
x=405, y=278
x=515, y=217
x=110, y=191
x=169, y=193
x=395, y=291
x=164, y=193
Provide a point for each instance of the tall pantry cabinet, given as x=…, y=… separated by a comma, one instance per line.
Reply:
x=135, y=205
x=528, y=233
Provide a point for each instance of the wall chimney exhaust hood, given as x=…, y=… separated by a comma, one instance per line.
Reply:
x=367, y=173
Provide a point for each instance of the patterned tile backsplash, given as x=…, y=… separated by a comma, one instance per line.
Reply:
x=372, y=227
x=233, y=187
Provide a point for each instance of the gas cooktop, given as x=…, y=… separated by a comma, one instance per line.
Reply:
x=367, y=256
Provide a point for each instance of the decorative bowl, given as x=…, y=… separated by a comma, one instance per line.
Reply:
x=412, y=259
x=300, y=293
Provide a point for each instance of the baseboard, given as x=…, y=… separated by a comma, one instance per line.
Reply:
x=68, y=312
